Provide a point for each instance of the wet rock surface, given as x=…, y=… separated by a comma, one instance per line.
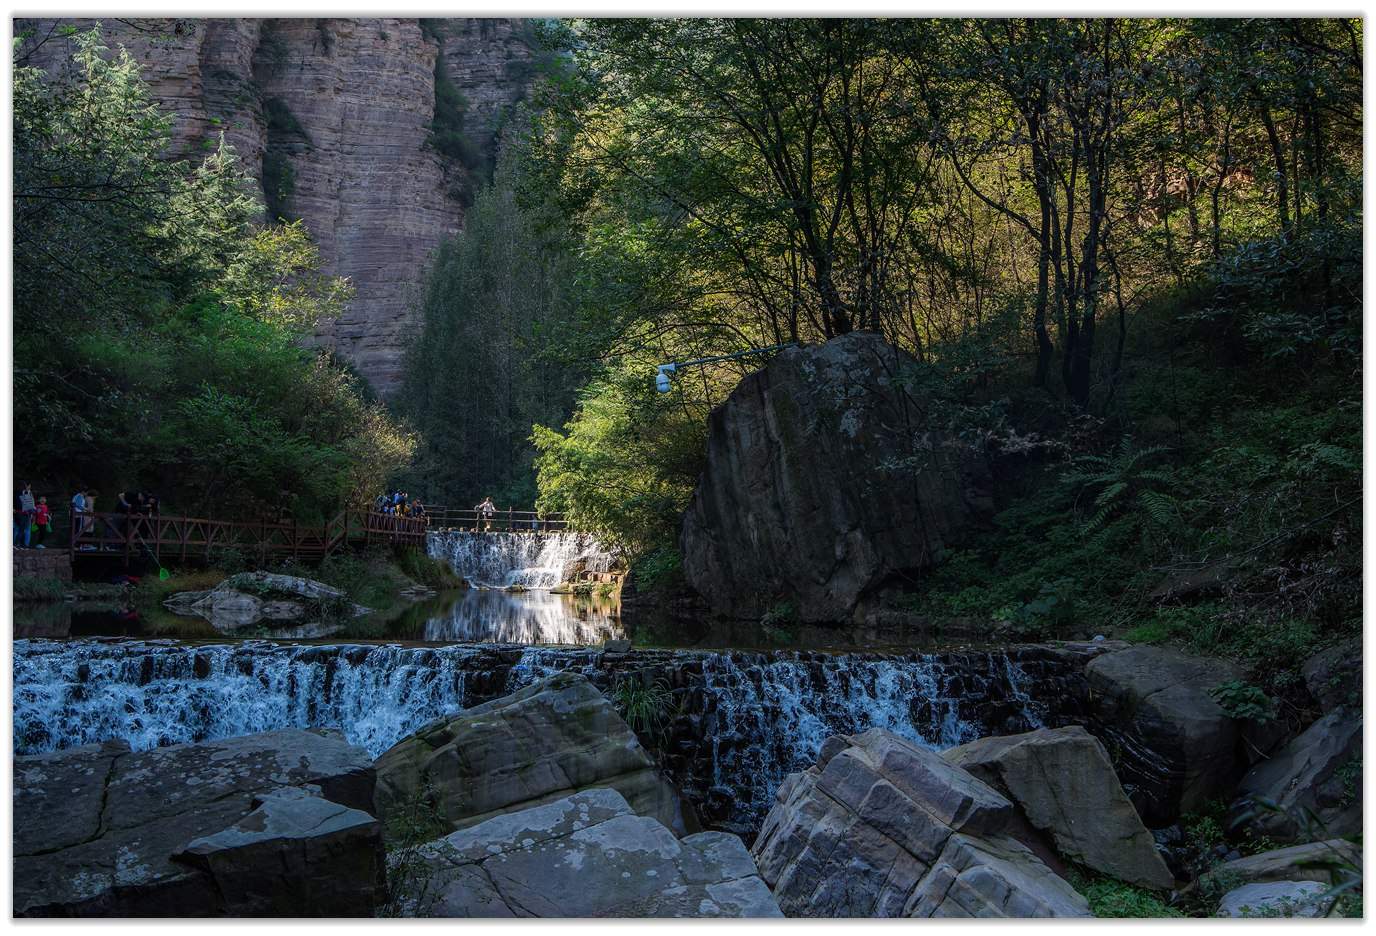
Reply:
x=1174, y=747
x=588, y=855
x=546, y=741
x=99, y=828
x=1062, y=781
x=881, y=828
x=801, y=502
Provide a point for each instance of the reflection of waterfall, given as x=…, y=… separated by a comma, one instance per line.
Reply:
x=532, y=618
x=532, y=560
x=742, y=721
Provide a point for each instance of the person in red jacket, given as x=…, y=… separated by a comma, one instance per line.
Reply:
x=43, y=519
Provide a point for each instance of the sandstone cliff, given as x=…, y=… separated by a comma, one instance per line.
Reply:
x=333, y=117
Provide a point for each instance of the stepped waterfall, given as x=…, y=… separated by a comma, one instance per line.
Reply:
x=530, y=560
x=742, y=720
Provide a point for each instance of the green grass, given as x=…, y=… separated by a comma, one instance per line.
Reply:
x=1112, y=899
x=28, y=588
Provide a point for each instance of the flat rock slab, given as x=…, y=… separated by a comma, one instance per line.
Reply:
x=1177, y=748
x=879, y=827
x=1327, y=862
x=1275, y=899
x=588, y=855
x=96, y=827
x=1063, y=782
x=549, y=740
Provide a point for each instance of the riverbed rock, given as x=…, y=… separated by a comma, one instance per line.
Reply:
x=824, y=481
x=1275, y=899
x=552, y=738
x=253, y=598
x=1062, y=781
x=1176, y=747
x=1334, y=676
x=879, y=827
x=1319, y=772
x=587, y=855
x=1327, y=862
x=295, y=850
x=97, y=828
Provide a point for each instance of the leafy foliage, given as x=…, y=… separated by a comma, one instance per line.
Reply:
x=1240, y=700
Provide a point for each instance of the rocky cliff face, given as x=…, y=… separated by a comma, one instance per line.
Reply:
x=333, y=117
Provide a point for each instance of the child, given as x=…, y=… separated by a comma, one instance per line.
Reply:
x=43, y=521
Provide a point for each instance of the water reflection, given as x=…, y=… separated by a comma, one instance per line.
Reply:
x=534, y=617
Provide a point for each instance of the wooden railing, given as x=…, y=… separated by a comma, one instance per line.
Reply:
x=165, y=536
x=517, y=521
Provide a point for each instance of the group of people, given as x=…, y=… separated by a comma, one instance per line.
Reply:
x=398, y=504
x=33, y=517
x=33, y=520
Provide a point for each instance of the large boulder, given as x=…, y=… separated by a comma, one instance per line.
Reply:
x=552, y=738
x=879, y=827
x=250, y=599
x=824, y=480
x=1318, y=774
x=1176, y=748
x=101, y=830
x=586, y=855
x=1062, y=781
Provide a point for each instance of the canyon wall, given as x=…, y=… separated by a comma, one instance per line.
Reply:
x=333, y=118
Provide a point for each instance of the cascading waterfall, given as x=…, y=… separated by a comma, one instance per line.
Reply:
x=743, y=720
x=531, y=560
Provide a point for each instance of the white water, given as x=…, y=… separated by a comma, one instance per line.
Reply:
x=763, y=715
x=531, y=560
x=534, y=617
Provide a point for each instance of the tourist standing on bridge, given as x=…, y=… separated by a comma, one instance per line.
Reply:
x=23, y=515
x=42, y=521
x=485, y=512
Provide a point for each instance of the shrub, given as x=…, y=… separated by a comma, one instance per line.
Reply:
x=39, y=589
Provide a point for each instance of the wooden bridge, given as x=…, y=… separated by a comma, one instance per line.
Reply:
x=186, y=538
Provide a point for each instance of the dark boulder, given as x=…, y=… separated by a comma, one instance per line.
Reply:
x=826, y=479
x=103, y=831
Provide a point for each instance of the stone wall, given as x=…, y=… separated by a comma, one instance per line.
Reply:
x=338, y=112
x=42, y=563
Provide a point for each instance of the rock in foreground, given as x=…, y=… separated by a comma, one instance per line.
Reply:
x=881, y=828
x=198, y=829
x=804, y=500
x=1178, y=748
x=587, y=855
x=1064, y=784
x=549, y=740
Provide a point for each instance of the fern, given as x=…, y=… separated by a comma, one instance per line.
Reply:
x=1125, y=481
